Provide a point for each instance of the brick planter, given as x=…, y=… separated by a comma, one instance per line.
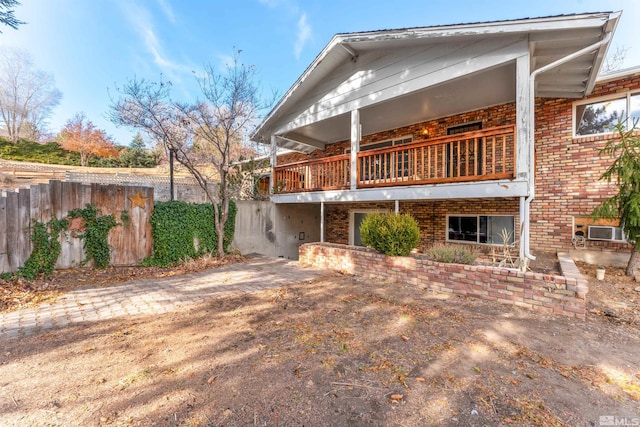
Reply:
x=542, y=292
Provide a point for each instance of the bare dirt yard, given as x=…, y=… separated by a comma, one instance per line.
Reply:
x=336, y=351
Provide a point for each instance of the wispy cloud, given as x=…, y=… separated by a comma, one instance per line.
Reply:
x=166, y=8
x=291, y=10
x=141, y=21
x=304, y=33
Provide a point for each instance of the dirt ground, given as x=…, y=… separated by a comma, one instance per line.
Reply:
x=336, y=351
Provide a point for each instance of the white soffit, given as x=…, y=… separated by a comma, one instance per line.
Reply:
x=550, y=38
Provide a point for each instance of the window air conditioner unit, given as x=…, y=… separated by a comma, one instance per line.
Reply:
x=605, y=232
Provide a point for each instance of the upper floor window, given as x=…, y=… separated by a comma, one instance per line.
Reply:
x=385, y=165
x=599, y=116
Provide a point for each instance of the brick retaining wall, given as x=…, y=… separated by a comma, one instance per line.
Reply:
x=541, y=292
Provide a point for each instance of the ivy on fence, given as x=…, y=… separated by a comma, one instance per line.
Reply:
x=96, y=232
x=46, y=249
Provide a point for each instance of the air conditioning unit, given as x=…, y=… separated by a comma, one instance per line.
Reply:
x=606, y=232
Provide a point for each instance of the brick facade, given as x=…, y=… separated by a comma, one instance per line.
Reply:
x=540, y=292
x=431, y=216
x=566, y=183
x=568, y=170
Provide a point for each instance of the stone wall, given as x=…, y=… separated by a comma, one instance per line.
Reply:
x=563, y=295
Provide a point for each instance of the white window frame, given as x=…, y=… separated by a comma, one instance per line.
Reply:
x=477, y=216
x=620, y=95
x=352, y=214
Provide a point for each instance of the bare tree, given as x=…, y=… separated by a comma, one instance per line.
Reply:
x=6, y=14
x=614, y=60
x=27, y=95
x=205, y=136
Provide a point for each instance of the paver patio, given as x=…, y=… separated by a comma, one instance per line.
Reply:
x=153, y=296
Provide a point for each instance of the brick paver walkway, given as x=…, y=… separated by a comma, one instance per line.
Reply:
x=152, y=296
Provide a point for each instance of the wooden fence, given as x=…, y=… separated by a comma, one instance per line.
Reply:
x=130, y=242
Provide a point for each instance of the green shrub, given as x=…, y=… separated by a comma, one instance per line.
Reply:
x=28, y=151
x=457, y=254
x=391, y=234
x=186, y=230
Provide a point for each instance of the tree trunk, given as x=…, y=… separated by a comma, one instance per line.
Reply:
x=634, y=263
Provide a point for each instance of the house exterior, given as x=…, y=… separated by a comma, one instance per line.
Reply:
x=474, y=129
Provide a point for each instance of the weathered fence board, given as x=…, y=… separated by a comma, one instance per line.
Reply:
x=12, y=231
x=4, y=256
x=130, y=241
x=24, y=233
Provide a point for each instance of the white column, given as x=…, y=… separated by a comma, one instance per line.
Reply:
x=355, y=147
x=321, y=222
x=524, y=136
x=274, y=159
x=397, y=207
x=524, y=144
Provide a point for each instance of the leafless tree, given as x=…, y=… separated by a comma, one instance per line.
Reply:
x=614, y=60
x=205, y=136
x=27, y=95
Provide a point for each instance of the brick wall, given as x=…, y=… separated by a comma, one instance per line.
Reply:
x=543, y=293
x=490, y=117
x=568, y=171
x=431, y=216
x=567, y=175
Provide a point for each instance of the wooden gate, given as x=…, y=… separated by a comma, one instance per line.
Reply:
x=130, y=242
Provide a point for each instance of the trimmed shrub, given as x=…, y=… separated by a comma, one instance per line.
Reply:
x=391, y=234
x=457, y=254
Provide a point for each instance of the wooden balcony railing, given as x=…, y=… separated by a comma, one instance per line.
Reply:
x=328, y=173
x=471, y=156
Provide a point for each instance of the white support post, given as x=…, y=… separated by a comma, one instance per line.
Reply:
x=355, y=147
x=397, y=207
x=523, y=117
x=524, y=142
x=274, y=159
x=321, y=222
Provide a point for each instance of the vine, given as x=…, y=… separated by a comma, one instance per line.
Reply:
x=185, y=230
x=96, y=231
x=46, y=249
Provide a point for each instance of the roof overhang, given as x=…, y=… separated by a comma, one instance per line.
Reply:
x=549, y=39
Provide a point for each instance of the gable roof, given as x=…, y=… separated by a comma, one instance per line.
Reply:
x=548, y=38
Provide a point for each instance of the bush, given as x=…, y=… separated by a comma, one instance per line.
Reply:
x=391, y=234
x=457, y=254
x=186, y=230
x=29, y=151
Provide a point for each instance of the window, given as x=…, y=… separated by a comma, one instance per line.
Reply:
x=382, y=166
x=482, y=229
x=467, y=127
x=467, y=147
x=601, y=115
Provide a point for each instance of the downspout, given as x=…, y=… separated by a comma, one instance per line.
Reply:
x=532, y=106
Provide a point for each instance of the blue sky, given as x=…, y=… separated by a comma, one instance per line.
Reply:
x=92, y=45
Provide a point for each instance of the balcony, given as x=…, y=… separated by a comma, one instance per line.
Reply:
x=472, y=156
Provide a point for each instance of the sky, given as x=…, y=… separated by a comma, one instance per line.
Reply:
x=92, y=46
